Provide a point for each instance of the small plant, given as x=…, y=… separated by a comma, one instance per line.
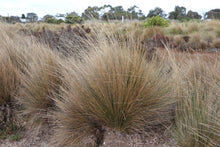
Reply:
x=54, y=21
x=156, y=21
x=11, y=132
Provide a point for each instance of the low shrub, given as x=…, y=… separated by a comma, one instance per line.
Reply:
x=156, y=21
x=11, y=132
x=54, y=21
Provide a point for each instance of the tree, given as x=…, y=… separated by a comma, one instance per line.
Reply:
x=134, y=13
x=73, y=18
x=11, y=19
x=178, y=13
x=22, y=16
x=193, y=15
x=155, y=12
x=114, y=13
x=91, y=12
x=46, y=17
x=213, y=14
x=107, y=12
x=32, y=17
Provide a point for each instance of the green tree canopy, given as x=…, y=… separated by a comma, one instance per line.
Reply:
x=213, y=14
x=193, y=15
x=116, y=13
x=91, y=12
x=178, y=13
x=73, y=18
x=32, y=17
x=46, y=17
x=155, y=12
x=134, y=13
x=23, y=16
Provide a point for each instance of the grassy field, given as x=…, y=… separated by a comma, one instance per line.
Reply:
x=83, y=82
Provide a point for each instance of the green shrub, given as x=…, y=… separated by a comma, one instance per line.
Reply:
x=156, y=21
x=59, y=21
x=54, y=20
x=185, y=19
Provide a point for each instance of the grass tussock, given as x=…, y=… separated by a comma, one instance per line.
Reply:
x=38, y=70
x=9, y=79
x=40, y=82
x=115, y=87
x=9, y=83
x=197, y=111
x=216, y=43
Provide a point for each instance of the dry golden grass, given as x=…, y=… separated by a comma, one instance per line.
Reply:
x=39, y=83
x=216, y=43
x=9, y=79
x=198, y=90
x=115, y=87
x=149, y=33
x=38, y=70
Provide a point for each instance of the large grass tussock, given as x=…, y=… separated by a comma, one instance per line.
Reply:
x=115, y=87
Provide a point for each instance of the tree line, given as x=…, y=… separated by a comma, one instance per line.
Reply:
x=108, y=12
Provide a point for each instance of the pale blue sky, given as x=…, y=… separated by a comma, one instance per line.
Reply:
x=43, y=7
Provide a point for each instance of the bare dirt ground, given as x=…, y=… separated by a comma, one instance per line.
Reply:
x=111, y=139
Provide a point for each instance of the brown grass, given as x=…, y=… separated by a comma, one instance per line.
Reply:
x=115, y=87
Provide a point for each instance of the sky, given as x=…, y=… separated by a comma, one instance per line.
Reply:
x=52, y=7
